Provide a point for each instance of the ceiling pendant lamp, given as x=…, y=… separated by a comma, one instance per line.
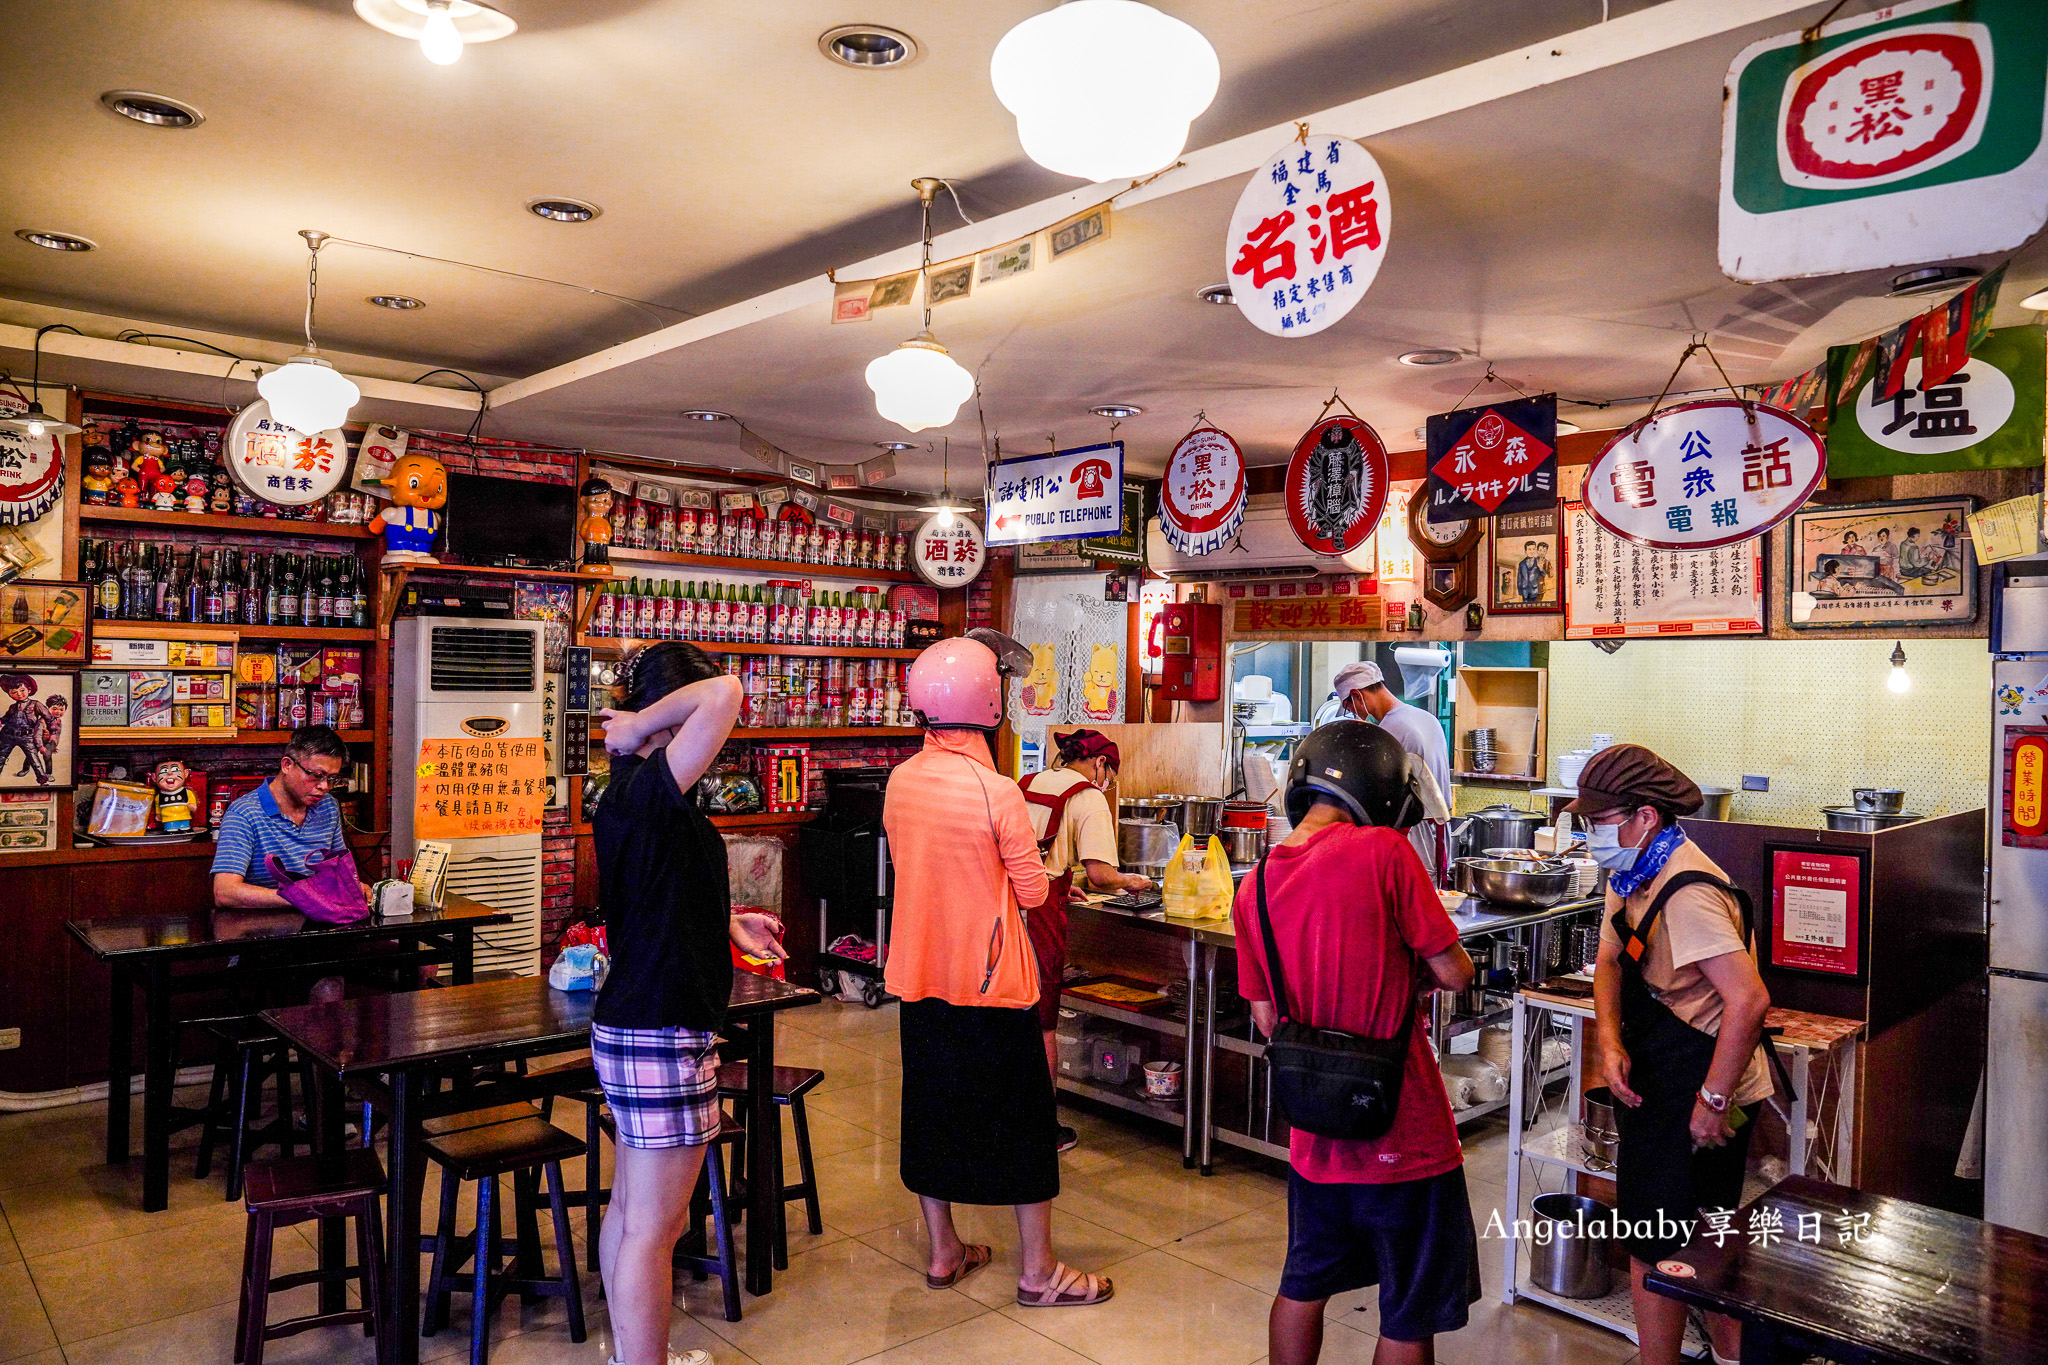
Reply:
x=945, y=509
x=306, y=393
x=33, y=422
x=919, y=384
x=442, y=27
x=1104, y=89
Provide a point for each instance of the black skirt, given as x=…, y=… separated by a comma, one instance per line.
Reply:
x=979, y=1119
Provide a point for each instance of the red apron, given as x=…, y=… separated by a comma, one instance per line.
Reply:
x=1046, y=923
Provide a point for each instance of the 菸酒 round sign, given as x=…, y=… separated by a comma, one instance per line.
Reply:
x=1308, y=235
x=280, y=464
x=1202, y=496
x=949, y=556
x=1702, y=475
x=1337, y=485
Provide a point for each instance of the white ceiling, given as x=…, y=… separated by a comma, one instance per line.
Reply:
x=1567, y=232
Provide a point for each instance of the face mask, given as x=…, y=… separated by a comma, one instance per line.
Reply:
x=1603, y=842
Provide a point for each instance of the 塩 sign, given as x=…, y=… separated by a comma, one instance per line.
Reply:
x=948, y=556
x=1067, y=495
x=1704, y=474
x=1495, y=458
x=476, y=788
x=281, y=464
x=1308, y=235
x=1987, y=415
x=1202, y=497
x=1337, y=485
x=1910, y=134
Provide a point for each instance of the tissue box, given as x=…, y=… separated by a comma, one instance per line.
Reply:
x=391, y=898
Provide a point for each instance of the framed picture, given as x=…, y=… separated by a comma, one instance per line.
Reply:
x=1051, y=556
x=1619, y=590
x=1526, y=564
x=45, y=622
x=38, y=730
x=1128, y=546
x=1882, y=564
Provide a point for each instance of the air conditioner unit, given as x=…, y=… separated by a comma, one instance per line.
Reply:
x=453, y=676
x=1266, y=548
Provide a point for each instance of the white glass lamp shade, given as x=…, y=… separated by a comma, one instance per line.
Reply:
x=308, y=395
x=919, y=385
x=1104, y=89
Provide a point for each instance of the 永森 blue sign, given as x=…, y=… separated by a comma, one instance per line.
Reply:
x=1062, y=496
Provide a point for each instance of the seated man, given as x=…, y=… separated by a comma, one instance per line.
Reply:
x=292, y=815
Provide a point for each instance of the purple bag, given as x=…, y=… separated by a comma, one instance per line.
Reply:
x=328, y=892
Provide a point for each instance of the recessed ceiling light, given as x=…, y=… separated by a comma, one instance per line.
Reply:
x=158, y=111
x=563, y=210
x=705, y=415
x=896, y=445
x=1430, y=357
x=55, y=241
x=1116, y=410
x=868, y=46
x=1216, y=293
x=2038, y=300
x=397, y=303
x=1931, y=280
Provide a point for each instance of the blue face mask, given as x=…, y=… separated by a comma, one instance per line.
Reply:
x=1603, y=843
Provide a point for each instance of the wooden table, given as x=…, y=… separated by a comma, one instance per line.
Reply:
x=143, y=952
x=384, y=1048
x=1912, y=1286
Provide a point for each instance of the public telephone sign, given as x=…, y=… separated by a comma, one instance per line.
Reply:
x=1705, y=474
x=1067, y=495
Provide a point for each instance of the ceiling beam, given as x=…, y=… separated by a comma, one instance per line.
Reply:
x=1661, y=27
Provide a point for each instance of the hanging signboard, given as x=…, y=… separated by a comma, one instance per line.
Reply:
x=2024, y=821
x=1066, y=495
x=1495, y=458
x=1987, y=415
x=948, y=556
x=1909, y=134
x=1308, y=235
x=1337, y=485
x=1127, y=545
x=1816, y=911
x=281, y=464
x=31, y=468
x=1704, y=474
x=1310, y=613
x=1202, y=497
x=1616, y=589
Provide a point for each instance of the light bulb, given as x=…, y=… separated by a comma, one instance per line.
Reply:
x=1899, y=681
x=36, y=428
x=945, y=518
x=918, y=384
x=308, y=395
x=439, y=40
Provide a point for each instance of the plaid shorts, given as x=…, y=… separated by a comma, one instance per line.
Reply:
x=661, y=1084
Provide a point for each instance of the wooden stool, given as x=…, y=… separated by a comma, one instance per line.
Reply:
x=282, y=1193
x=791, y=1084
x=522, y=1148
x=593, y=1196
x=247, y=1054
x=712, y=1196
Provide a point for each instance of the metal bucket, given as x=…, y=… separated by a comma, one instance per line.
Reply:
x=1199, y=815
x=1242, y=846
x=1246, y=814
x=1603, y=1137
x=1142, y=844
x=1568, y=1246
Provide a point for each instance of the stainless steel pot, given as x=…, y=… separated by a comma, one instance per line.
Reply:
x=1496, y=827
x=1715, y=807
x=1199, y=815
x=1242, y=846
x=1865, y=822
x=1879, y=800
x=1152, y=808
x=1143, y=844
x=1603, y=1135
x=1568, y=1253
x=1507, y=881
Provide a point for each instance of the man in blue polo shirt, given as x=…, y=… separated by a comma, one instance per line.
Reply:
x=292, y=815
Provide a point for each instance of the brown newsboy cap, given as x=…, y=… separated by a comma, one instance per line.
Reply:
x=1628, y=775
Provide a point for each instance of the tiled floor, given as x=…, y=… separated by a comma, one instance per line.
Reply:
x=88, y=1279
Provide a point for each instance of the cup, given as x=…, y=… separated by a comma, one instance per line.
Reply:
x=1162, y=1080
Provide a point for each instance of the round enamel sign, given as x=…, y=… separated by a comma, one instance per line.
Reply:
x=1704, y=474
x=31, y=469
x=1202, y=497
x=278, y=464
x=949, y=556
x=1336, y=485
x=1308, y=235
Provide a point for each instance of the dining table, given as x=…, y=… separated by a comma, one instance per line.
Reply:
x=394, y=1051
x=1815, y=1269
x=207, y=949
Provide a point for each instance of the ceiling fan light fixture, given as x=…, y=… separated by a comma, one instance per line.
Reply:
x=919, y=384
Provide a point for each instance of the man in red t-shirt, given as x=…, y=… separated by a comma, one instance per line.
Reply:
x=1360, y=929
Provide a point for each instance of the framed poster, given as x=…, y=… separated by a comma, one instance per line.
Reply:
x=1615, y=589
x=44, y=622
x=1526, y=555
x=28, y=822
x=1882, y=564
x=1128, y=545
x=1817, y=911
x=38, y=731
x=1051, y=556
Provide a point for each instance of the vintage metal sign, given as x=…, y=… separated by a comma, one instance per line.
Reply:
x=1987, y=415
x=948, y=556
x=1704, y=474
x=1495, y=458
x=281, y=464
x=1308, y=235
x=1910, y=134
x=1202, y=497
x=1337, y=485
x=31, y=468
x=1067, y=495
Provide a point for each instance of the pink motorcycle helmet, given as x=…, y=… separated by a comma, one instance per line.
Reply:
x=958, y=683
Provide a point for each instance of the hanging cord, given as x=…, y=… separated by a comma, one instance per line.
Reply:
x=1698, y=343
x=1336, y=400
x=645, y=305
x=1491, y=377
x=132, y=335
x=314, y=241
x=483, y=401
x=1812, y=35
x=36, y=373
x=927, y=188
x=956, y=200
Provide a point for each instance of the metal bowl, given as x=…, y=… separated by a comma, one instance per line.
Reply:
x=1152, y=808
x=1506, y=881
x=1517, y=855
x=1852, y=821
x=1879, y=800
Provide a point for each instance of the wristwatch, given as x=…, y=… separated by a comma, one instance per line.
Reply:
x=1717, y=1103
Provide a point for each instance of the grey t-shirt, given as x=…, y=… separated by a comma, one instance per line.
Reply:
x=1421, y=735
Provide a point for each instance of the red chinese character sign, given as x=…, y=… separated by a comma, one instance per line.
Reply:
x=1308, y=235
x=1337, y=485
x=280, y=464
x=948, y=556
x=31, y=468
x=1704, y=474
x=1202, y=497
x=1492, y=459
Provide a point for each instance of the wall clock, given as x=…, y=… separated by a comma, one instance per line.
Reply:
x=1449, y=550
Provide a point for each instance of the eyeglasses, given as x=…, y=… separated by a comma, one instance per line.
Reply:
x=317, y=779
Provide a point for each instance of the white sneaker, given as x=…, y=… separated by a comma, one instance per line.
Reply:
x=678, y=1358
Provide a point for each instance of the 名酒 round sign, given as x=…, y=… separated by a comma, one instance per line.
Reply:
x=949, y=556
x=1308, y=235
x=1202, y=497
x=1337, y=485
x=31, y=469
x=280, y=464
x=1703, y=475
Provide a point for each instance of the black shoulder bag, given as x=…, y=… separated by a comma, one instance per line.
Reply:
x=1330, y=1083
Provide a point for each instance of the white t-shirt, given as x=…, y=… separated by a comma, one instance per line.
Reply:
x=1087, y=830
x=1421, y=735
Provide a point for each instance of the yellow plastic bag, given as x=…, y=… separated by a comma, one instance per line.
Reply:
x=1197, y=884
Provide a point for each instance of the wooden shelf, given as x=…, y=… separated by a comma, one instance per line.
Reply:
x=765, y=819
x=182, y=630
x=337, y=634
x=282, y=737
x=766, y=732
x=405, y=569
x=149, y=516
x=620, y=554
x=165, y=735
x=788, y=651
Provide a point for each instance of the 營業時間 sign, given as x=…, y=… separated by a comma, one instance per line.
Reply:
x=478, y=788
x=1067, y=495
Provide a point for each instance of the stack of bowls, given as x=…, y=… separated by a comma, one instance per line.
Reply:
x=1483, y=753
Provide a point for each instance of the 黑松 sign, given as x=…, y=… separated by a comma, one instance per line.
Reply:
x=1308, y=235
x=31, y=468
x=1493, y=459
x=1066, y=495
x=1910, y=134
x=1202, y=496
x=281, y=464
x=1704, y=474
x=949, y=556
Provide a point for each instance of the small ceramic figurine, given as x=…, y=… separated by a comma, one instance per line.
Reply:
x=146, y=457
x=173, y=798
x=163, y=494
x=419, y=489
x=98, y=482
x=195, y=493
x=596, y=529
x=130, y=491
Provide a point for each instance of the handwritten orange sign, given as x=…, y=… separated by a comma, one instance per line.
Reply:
x=477, y=788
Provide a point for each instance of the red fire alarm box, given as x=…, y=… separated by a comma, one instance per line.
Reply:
x=1193, y=650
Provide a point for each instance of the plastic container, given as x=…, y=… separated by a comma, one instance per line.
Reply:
x=1568, y=1246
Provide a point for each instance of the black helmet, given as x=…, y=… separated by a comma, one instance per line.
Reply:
x=1358, y=764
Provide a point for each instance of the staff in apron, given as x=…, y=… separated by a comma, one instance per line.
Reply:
x=1067, y=799
x=1679, y=1012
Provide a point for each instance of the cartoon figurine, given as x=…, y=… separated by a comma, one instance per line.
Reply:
x=173, y=799
x=419, y=489
x=146, y=457
x=596, y=529
x=195, y=492
x=130, y=491
x=98, y=482
x=163, y=493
